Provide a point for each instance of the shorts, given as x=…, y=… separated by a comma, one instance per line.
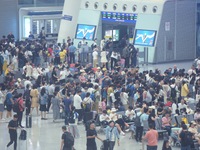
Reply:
x=8, y=107
x=1, y=107
x=43, y=108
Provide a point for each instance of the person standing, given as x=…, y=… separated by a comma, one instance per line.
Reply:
x=68, y=107
x=91, y=135
x=21, y=109
x=72, y=50
x=112, y=135
x=43, y=103
x=27, y=98
x=185, y=137
x=9, y=102
x=152, y=138
x=55, y=105
x=2, y=97
x=67, y=142
x=95, y=56
x=77, y=105
x=34, y=98
x=12, y=126
x=73, y=120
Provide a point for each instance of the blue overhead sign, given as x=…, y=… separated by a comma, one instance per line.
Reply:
x=67, y=17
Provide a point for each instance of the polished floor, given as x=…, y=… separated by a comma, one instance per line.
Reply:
x=46, y=135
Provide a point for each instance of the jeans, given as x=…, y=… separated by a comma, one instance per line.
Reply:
x=152, y=147
x=13, y=138
x=111, y=145
x=168, y=128
x=80, y=112
x=20, y=114
x=67, y=115
x=185, y=147
x=72, y=57
x=139, y=132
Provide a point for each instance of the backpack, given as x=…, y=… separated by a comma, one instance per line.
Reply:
x=16, y=106
x=72, y=117
x=92, y=96
x=173, y=92
x=69, y=139
x=189, y=137
x=137, y=120
x=23, y=135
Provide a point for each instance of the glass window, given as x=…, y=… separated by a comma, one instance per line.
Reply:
x=27, y=26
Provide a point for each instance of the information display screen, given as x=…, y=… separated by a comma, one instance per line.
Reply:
x=145, y=37
x=87, y=31
x=119, y=17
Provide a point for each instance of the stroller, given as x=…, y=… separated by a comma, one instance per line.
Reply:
x=105, y=145
x=176, y=142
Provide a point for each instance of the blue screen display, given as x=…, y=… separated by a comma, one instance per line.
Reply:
x=144, y=37
x=87, y=31
x=119, y=17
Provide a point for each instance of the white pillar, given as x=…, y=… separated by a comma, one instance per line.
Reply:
x=68, y=28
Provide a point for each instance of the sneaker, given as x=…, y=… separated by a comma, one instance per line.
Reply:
x=127, y=130
x=122, y=133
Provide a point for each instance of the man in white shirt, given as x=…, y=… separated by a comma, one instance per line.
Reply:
x=29, y=70
x=62, y=76
x=77, y=105
x=104, y=118
x=95, y=56
x=182, y=105
x=174, y=107
x=26, y=82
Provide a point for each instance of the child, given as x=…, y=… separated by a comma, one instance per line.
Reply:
x=73, y=120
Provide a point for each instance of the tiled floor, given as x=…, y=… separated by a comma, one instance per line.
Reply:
x=46, y=135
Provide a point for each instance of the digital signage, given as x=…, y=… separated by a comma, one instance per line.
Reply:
x=145, y=37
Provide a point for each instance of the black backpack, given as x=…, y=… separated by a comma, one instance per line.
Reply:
x=137, y=120
x=69, y=139
x=23, y=135
x=72, y=117
x=16, y=106
x=189, y=137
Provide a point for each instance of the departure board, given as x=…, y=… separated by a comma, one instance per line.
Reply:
x=119, y=17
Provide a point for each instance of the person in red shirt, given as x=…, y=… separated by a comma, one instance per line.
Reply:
x=152, y=138
x=21, y=109
x=169, y=103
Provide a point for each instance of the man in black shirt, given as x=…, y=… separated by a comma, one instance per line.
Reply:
x=66, y=145
x=12, y=126
x=91, y=135
x=186, y=138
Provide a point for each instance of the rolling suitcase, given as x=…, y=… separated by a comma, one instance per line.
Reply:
x=28, y=121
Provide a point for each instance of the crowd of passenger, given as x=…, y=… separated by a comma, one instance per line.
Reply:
x=53, y=76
